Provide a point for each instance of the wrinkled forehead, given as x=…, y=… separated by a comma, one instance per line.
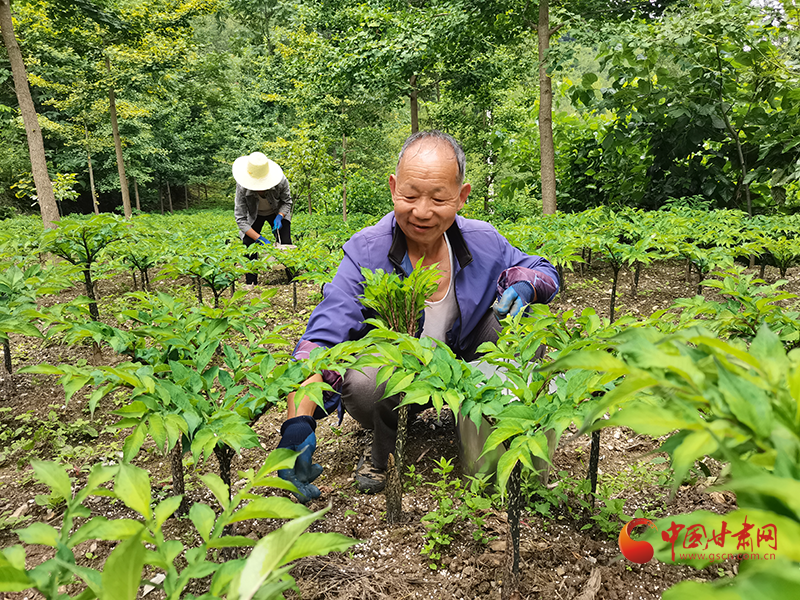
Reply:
x=428, y=150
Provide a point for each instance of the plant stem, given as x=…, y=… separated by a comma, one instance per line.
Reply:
x=224, y=456
x=594, y=460
x=89, y=285
x=394, y=492
x=178, y=484
x=7, y=355
x=514, y=512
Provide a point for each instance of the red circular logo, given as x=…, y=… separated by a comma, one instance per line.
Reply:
x=636, y=551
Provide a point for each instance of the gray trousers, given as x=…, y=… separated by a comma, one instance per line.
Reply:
x=363, y=399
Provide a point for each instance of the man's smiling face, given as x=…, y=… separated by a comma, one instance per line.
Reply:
x=426, y=192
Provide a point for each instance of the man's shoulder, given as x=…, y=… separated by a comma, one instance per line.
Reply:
x=380, y=232
x=468, y=226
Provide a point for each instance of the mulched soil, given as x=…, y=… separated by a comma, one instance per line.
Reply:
x=560, y=558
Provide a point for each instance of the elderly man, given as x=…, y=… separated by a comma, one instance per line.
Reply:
x=478, y=266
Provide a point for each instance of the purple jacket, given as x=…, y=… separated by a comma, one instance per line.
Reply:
x=486, y=265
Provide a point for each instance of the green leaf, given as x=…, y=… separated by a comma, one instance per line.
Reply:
x=132, y=486
x=695, y=445
x=203, y=518
x=269, y=554
x=231, y=541
x=39, y=533
x=13, y=577
x=319, y=544
x=271, y=507
x=748, y=403
x=588, y=80
x=398, y=382
x=165, y=509
x=133, y=442
x=55, y=477
x=122, y=572
x=100, y=528
x=218, y=488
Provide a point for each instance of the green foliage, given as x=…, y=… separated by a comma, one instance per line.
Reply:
x=142, y=540
x=456, y=505
x=399, y=301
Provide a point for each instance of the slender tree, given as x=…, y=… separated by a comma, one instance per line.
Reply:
x=41, y=178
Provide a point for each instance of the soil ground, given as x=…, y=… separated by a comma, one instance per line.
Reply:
x=561, y=558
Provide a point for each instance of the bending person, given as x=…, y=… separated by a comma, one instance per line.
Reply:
x=262, y=199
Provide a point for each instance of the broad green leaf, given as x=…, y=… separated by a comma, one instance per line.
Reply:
x=132, y=486
x=203, y=518
x=271, y=507
x=505, y=466
x=133, y=442
x=165, y=509
x=13, y=577
x=100, y=528
x=231, y=541
x=53, y=476
x=319, y=544
x=218, y=488
x=39, y=533
x=269, y=554
x=122, y=572
x=398, y=382
x=504, y=431
x=280, y=458
x=748, y=403
x=157, y=430
x=696, y=445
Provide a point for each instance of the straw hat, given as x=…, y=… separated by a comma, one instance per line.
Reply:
x=256, y=172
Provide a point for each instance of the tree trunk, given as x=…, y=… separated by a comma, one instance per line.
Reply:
x=123, y=180
x=546, y=149
x=169, y=198
x=41, y=178
x=161, y=198
x=136, y=192
x=95, y=205
x=414, y=105
x=344, y=177
x=186, y=195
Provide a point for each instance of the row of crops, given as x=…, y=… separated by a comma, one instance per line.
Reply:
x=720, y=377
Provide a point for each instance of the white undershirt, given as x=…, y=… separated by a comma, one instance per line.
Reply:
x=440, y=315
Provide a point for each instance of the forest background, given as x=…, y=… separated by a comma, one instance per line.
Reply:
x=654, y=102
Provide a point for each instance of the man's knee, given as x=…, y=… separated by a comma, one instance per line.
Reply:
x=360, y=393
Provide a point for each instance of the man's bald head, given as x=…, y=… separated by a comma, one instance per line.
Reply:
x=437, y=137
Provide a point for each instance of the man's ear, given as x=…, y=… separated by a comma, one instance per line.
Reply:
x=462, y=197
x=392, y=184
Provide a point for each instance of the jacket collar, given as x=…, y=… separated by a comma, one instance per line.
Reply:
x=398, y=252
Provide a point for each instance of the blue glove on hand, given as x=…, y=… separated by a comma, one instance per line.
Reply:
x=278, y=223
x=298, y=434
x=263, y=240
x=514, y=299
